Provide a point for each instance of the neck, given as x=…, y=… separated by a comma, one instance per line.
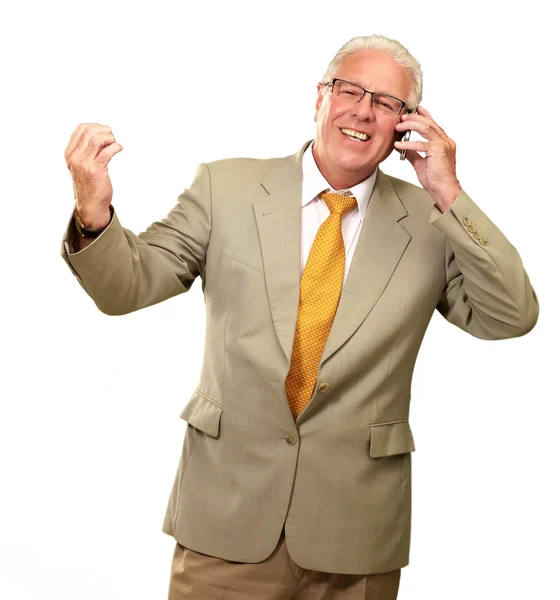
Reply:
x=341, y=180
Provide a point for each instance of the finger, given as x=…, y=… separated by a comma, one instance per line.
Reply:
x=406, y=118
x=97, y=142
x=89, y=143
x=423, y=115
x=107, y=153
x=79, y=141
x=413, y=157
x=88, y=133
x=421, y=146
x=74, y=138
x=423, y=111
x=425, y=127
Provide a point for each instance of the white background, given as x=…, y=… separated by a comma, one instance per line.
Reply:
x=89, y=431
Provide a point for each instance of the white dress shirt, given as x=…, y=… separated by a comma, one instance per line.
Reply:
x=314, y=210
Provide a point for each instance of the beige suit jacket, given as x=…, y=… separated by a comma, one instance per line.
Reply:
x=339, y=477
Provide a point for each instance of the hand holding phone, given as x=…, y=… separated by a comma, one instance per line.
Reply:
x=407, y=135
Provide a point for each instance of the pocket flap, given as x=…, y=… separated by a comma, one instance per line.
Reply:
x=388, y=439
x=203, y=413
x=241, y=253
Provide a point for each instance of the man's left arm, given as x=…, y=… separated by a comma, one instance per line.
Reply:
x=487, y=292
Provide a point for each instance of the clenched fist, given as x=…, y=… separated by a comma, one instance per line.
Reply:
x=87, y=155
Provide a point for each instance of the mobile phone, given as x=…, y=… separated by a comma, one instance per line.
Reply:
x=406, y=135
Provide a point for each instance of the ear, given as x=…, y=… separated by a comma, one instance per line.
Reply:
x=320, y=94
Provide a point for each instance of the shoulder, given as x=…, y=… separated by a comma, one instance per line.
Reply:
x=405, y=189
x=415, y=198
x=243, y=168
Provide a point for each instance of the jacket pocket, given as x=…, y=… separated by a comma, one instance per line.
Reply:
x=391, y=438
x=203, y=413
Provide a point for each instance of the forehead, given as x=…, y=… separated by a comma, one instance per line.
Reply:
x=376, y=72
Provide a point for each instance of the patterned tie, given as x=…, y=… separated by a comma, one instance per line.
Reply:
x=320, y=287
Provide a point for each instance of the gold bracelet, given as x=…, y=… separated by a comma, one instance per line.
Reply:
x=90, y=233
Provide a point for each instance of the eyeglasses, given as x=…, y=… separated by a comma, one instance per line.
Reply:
x=352, y=92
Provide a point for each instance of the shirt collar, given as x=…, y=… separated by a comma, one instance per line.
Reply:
x=314, y=183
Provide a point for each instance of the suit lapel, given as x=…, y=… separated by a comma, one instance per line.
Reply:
x=380, y=246
x=278, y=216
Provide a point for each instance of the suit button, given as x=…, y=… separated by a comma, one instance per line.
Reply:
x=472, y=229
x=477, y=235
x=467, y=221
x=323, y=387
x=291, y=439
x=483, y=241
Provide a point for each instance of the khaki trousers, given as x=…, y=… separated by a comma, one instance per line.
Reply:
x=201, y=577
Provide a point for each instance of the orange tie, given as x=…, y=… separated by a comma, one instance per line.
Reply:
x=320, y=288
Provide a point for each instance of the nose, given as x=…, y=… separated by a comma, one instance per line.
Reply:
x=363, y=109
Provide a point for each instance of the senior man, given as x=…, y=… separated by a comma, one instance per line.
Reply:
x=320, y=275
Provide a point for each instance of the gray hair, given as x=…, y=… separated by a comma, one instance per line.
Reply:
x=394, y=49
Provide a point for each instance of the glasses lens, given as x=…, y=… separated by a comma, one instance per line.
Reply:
x=381, y=102
x=348, y=91
x=386, y=104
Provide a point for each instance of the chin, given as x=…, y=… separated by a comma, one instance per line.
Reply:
x=353, y=165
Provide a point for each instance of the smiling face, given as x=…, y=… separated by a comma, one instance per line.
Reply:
x=343, y=160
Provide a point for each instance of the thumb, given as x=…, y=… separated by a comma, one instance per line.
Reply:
x=107, y=153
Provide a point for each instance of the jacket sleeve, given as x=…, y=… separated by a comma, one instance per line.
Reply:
x=123, y=272
x=487, y=292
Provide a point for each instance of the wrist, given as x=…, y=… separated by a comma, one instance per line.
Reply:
x=92, y=225
x=94, y=220
x=445, y=199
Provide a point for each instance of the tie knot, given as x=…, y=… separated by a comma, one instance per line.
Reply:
x=338, y=203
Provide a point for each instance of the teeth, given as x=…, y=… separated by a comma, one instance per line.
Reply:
x=356, y=134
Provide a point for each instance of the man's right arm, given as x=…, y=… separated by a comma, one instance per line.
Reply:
x=78, y=241
x=123, y=272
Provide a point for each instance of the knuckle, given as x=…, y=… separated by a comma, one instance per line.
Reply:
x=91, y=130
x=100, y=137
x=71, y=160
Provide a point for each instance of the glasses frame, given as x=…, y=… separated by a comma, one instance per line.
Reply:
x=364, y=92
